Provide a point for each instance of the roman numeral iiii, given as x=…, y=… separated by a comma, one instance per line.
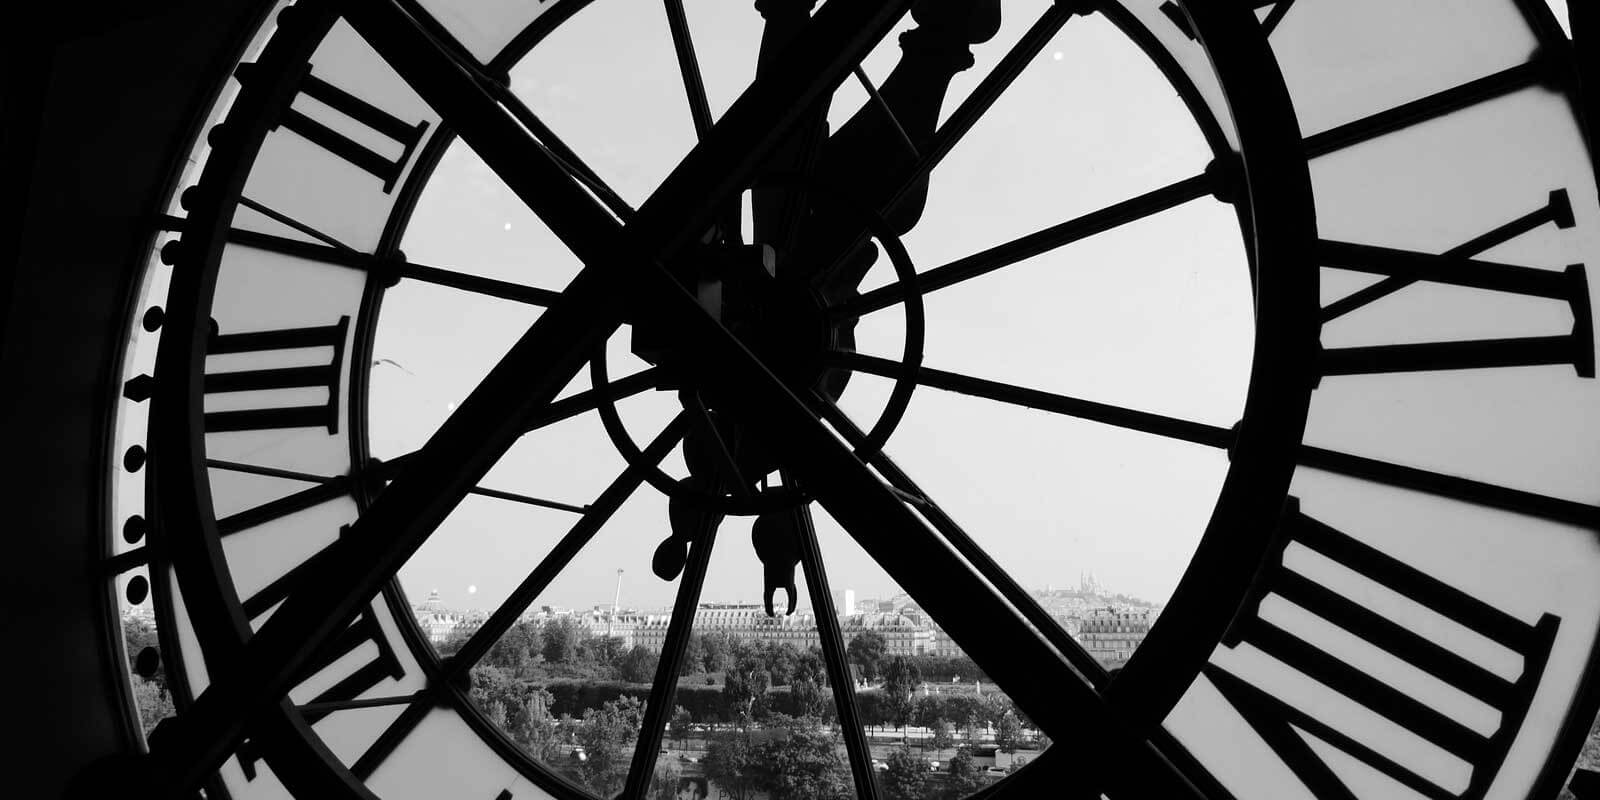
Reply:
x=1276, y=719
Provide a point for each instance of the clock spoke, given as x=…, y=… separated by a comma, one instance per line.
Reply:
x=1025, y=247
x=1522, y=76
x=594, y=518
x=328, y=488
x=835, y=658
x=291, y=222
x=694, y=86
x=1127, y=418
x=659, y=708
x=395, y=268
x=1453, y=487
x=527, y=500
x=591, y=399
x=330, y=706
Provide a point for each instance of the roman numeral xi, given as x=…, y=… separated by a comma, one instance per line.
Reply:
x=1459, y=266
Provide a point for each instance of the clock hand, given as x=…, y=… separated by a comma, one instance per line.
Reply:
x=876, y=154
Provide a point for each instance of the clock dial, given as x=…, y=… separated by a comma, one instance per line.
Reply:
x=1363, y=645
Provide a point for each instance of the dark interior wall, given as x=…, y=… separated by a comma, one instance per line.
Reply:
x=99, y=98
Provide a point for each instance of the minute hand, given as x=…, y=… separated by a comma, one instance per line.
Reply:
x=875, y=152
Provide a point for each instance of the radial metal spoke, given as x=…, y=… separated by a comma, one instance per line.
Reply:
x=527, y=500
x=1142, y=421
x=1465, y=490
x=354, y=259
x=594, y=518
x=590, y=399
x=659, y=709
x=288, y=221
x=877, y=100
x=1033, y=244
x=331, y=706
x=834, y=656
x=693, y=84
x=1433, y=106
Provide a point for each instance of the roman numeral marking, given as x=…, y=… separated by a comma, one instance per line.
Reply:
x=1274, y=719
x=355, y=682
x=1457, y=267
x=320, y=376
x=402, y=133
x=1268, y=24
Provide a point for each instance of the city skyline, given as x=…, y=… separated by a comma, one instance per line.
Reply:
x=416, y=595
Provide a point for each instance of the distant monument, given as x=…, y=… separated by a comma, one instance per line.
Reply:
x=844, y=602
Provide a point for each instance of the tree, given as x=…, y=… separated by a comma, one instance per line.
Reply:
x=680, y=724
x=516, y=650
x=900, y=681
x=152, y=701
x=716, y=651
x=605, y=650
x=805, y=685
x=943, y=736
x=866, y=651
x=694, y=655
x=538, y=731
x=780, y=660
x=745, y=688
x=963, y=771
x=559, y=640
x=608, y=735
x=1008, y=732
x=801, y=764
x=729, y=763
x=137, y=635
x=906, y=776
x=638, y=665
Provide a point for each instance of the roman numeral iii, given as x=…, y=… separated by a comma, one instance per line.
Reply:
x=280, y=345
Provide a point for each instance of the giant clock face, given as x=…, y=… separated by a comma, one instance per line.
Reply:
x=787, y=311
